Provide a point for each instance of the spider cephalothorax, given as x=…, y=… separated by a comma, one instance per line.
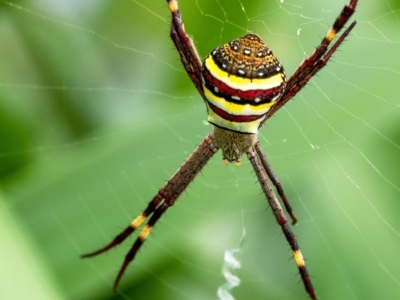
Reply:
x=242, y=84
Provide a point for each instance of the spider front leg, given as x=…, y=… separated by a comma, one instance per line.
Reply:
x=164, y=199
x=263, y=177
x=186, y=49
x=318, y=59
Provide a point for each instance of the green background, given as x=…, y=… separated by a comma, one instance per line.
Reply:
x=96, y=113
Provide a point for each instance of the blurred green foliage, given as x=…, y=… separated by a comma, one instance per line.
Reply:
x=96, y=113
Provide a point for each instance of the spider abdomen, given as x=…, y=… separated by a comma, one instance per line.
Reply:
x=242, y=80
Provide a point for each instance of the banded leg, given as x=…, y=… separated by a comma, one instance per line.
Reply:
x=275, y=180
x=262, y=175
x=184, y=44
x=165, y=198
x=318, y=59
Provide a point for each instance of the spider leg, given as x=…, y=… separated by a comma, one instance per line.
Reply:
x=322, y=62
x=262, y=176
x=311, y=65
x=141, y=238
x=185, y=46
x=275, y=180
x=165, y=198
x=131, y=228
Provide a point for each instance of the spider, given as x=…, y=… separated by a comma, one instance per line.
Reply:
x=242, y=84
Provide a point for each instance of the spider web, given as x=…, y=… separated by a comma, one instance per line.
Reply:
x=97, y=113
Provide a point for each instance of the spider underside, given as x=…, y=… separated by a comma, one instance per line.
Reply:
x=243, y=85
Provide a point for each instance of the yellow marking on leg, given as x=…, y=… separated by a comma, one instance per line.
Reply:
x=331, y=34
x=298, y=258
x=145, y=232
x=138, y=221
x=173, y=5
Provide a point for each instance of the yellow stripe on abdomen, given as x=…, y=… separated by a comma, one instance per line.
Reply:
x=237, y=108
x=242, y=83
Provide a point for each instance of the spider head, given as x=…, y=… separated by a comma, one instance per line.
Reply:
x=242, y=80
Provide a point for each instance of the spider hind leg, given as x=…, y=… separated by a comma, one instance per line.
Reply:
x=273, y=202
x=275, y=181
x=128, y=230
x=164, y=199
